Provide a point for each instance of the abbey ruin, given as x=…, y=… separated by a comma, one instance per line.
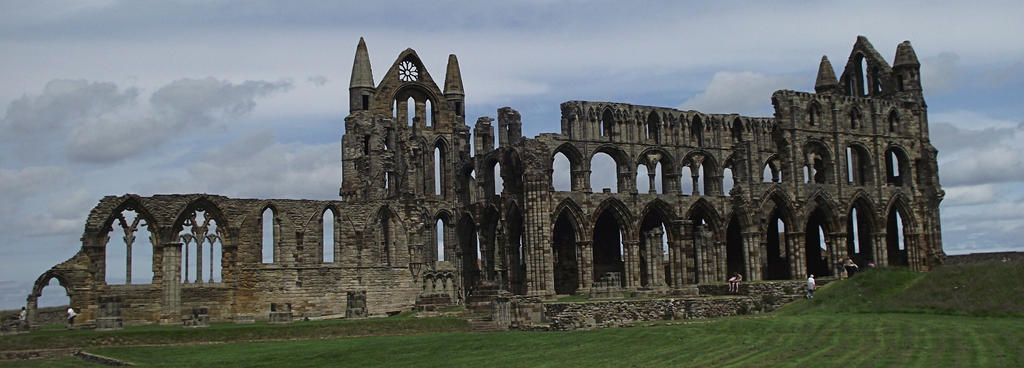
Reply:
x=432, y=210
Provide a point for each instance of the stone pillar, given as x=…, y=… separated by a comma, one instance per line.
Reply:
x=721, y=270
x=199, y=260
x=631, y=267
x=680, y=254
x=537, y=237
x=702, y=262
x=651, y=189
x=128, y=262
x=585, y=265
x=798, y=262
x=579, y=180
x=915, y=255
x=171, y=272
x=655, y=279
x=837, y=253
x=880, y=249
x=626, y=182
x=752, y=255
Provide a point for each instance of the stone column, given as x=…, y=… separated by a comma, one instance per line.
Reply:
x=631, y=267
x=537, y=236
x=679, y=254
x=797, y=259
x=185, y=245
x=199, y=260
x=655, y=279
x=128, y=261
x=651, y=189
x=584, y=265
x=752, y=255
x=171, y=296
x=881, y=250
x=721, y=269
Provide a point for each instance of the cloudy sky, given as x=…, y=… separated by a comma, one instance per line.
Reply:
x=247, y=99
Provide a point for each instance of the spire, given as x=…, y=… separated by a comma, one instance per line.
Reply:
x=826, y=77
x=453, y=77
x=362, y=76
x=905, y=56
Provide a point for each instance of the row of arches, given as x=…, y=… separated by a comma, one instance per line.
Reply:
x=128, y=241
x=650, y=126
x=658, y=249
x=855, y=119
x=699, y=174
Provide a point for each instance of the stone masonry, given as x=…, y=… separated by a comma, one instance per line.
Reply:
x=844, y=171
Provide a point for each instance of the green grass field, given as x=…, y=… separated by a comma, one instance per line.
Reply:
x=953, y=316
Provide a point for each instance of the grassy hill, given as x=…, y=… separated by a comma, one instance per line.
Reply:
x=976, y=289
x=958, y=315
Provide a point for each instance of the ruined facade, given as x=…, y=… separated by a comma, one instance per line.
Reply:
x=846, y=171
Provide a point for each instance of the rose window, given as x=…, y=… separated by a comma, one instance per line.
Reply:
x=408, y=72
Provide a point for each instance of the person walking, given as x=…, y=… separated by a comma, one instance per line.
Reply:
x=810, y=286
x=71, y=317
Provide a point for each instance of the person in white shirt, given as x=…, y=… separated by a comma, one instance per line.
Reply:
x=810, y=286
x=71, y=317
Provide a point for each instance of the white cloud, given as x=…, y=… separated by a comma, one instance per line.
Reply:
x=747, y=93
x=197, y=102
x=995, y=164
x=100, y=127
x=317, y=80
x=29, y=181
x=258, y=166
x=64, y=216
x=969, y=195
x=940, y=73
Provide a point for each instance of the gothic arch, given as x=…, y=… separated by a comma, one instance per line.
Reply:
x=202, y=204
x=862, y=200
x=571, y=152
x=663, y=209
x=131, y=202
x=714, y=219
x=899, y=202
x=43, y=280
x=828, y=206
x=575, y=215
x=621, y=213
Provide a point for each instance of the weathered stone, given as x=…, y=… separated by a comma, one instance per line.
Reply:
x=858, y=146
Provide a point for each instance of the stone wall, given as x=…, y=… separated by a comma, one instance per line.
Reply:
x=590, y=315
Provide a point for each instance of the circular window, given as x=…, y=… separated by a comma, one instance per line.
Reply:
x=408, y=72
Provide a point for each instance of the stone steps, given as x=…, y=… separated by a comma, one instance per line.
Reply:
x=483, y=325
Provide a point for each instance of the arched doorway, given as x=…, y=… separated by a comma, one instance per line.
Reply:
x=564, y=249
x=609, y=265
x=777, y=264
x=470, y=252
x=816, y=247
x=859, y=230
x=517, y=253
x=735, y=257
x=655, y=270
x=895, y=237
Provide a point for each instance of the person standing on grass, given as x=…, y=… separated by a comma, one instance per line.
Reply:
x=810, y=286
x=851, y=268
x=71, y=317
x=23, y=318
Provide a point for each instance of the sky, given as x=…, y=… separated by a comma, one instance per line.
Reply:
x=248, y=99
